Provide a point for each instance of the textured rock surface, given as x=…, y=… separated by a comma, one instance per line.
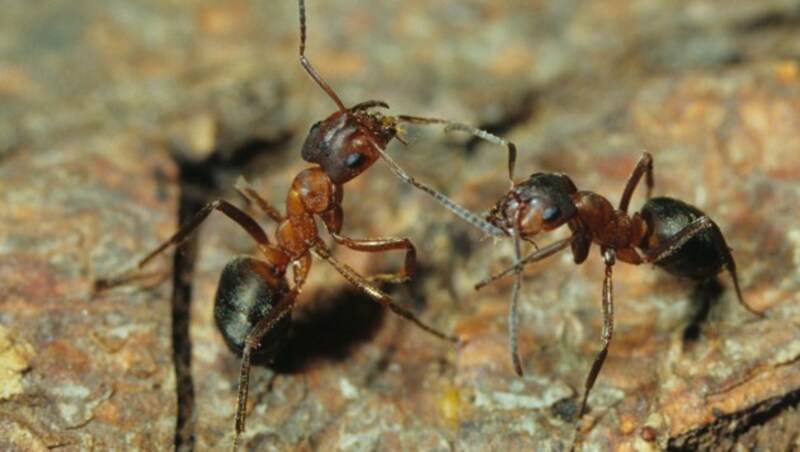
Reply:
x=107, y=110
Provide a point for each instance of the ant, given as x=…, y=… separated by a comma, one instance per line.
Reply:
x=254, y=299
x=667, y=232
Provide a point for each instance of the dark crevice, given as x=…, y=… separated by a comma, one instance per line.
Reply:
x=771, y=21
x=183, y=262
x=517, y=112
x=727, y=428
x=200, y=182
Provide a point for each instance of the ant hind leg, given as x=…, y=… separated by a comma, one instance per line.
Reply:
x=234, y=213
x=697, y=226
x=261, y=328
x=643, y=167
x=608, y=332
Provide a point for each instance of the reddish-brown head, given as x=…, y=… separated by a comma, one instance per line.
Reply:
x=343, y=144
x=541, y=203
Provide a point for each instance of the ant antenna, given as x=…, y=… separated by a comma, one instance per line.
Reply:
x=464, y=213
x=482, y=134
x=307, y=64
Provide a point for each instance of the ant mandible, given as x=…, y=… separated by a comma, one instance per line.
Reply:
x=669, y=233
x=254, y=300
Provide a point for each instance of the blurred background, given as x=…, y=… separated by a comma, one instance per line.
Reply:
x=118, y=120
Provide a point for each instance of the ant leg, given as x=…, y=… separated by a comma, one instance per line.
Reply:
x=274, y=256
x=300, y=269
x=384, y=244
x=608, y=330
x=376, y=294
x=261, y=328
x=250, y=194
x=512, y=309
x=482, y=134
x=684, y=235
x=537, y=255
x=460, y=211
x=643, y=167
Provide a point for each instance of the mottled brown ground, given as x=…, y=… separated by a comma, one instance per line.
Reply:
x=112, y=112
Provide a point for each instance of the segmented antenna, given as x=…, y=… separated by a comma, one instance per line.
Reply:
x=307, y=64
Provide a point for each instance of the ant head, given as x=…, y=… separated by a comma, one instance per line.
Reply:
x=541, y=203
x=344, y=144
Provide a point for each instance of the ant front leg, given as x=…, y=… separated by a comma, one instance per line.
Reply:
x=540, y=254
x=643, y=167
x=512, y=310
x=273, y=255
x=537, y=255
x=322, y=251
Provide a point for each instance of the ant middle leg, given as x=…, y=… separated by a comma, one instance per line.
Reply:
x=322, y=251
x=608, y=329
x=377, y=245
x=643, y=167
x=609, y=258
x=332, y=220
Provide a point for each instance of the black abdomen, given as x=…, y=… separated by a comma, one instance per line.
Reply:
x=247, y=291
x=698, y=258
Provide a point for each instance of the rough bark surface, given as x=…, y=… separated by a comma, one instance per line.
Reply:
x=118, y=118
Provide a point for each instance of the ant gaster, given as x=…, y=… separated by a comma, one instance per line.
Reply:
x=254, y=300
x=667, y=232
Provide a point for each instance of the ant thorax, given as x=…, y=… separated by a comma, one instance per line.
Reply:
x=609, y=227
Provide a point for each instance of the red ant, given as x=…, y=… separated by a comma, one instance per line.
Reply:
x=254, y=300
x=669, y=233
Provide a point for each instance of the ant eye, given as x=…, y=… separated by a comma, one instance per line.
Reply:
x=315, y=127
x=354, y=160
x=550, y=214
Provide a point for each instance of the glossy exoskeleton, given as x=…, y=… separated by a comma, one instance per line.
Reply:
x=247, y=292
x=667, y=232
x=254, y=299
